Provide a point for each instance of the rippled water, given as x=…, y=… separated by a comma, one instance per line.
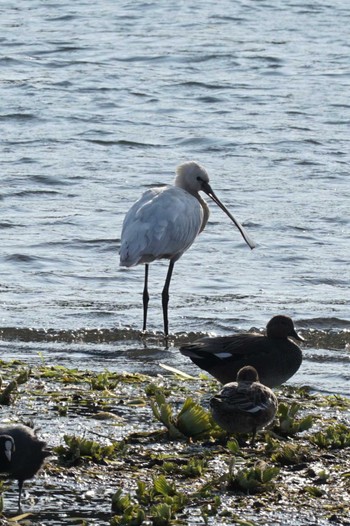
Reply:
x=101, y=100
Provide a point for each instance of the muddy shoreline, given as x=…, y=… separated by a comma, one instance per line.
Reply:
x=106, y=441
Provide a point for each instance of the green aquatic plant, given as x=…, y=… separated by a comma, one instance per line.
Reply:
x=162, y=411
x=132, y=516
x=163, y=487
x=169, y=494
x=120, y=502
x=337, y=402
x=194, y=468
x=62, y=374
x=191, y=469
x=320, y=477
x=153, y=389
x=79, y=448
x=289, y=454
x=191, y=421
x=23, y=376
x=233, y=446
x=7, y=394
x=161, y=514
x=144, y=494
x=157, y=503
x=210, y=509
x=336, y=436
x=62, y=408
x=314, y=491
x=285, y=454
x=303, y=392
x=105, y=381
x=287, y=423
x=161, y=490
x=127, y=512
x=170, y=467
x=98, y=381
x=255, y=479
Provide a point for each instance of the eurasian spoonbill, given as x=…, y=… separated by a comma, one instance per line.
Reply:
x=164, y=223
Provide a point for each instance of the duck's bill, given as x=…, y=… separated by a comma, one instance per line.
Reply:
x=242, y=230
x=296, y=336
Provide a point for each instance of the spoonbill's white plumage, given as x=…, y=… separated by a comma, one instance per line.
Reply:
x=164, y=223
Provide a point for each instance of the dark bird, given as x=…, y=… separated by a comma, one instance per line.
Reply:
x=275, y=357
x=21, y=454
x=244, y=406
x=164, y=223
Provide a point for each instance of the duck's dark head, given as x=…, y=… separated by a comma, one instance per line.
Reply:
x=282, y=326
x=247, y=374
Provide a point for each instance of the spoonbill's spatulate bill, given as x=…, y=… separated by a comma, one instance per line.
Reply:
x=164, y=223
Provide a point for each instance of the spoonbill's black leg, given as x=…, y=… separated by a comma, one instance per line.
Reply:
x=145, y=297
x=165, y=296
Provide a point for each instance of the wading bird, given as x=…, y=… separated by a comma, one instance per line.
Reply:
x=275, y=357
x=164, y=223
x=21, y=454
x=244, y=406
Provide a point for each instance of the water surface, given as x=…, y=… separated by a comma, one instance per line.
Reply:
x=102, y=100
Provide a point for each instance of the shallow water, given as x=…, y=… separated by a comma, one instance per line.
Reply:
x=102, y=100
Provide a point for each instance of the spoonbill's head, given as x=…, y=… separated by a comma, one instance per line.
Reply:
x=193, y=178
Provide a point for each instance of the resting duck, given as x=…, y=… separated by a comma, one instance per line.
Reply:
x=244, y=406
x=21, y=454
x=275, y=357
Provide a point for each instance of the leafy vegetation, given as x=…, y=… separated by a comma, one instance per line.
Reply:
x=286, y=454
x=78, y=449
x=333, y=437
x=191, y=421
x=255, y=479
x=160, y=477
x=8, y=393
x=158, y=503
x=287, y=423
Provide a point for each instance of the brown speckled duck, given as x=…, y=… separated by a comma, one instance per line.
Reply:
x=244, y=406
x=21, y=454
x=275, y=357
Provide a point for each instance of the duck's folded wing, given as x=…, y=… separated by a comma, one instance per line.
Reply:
x=249, y=399
x=225, y=347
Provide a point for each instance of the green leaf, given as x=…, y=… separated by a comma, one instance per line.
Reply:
x=233, y=446
x=193, y=420
x=161, y=514
x=162, y=486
